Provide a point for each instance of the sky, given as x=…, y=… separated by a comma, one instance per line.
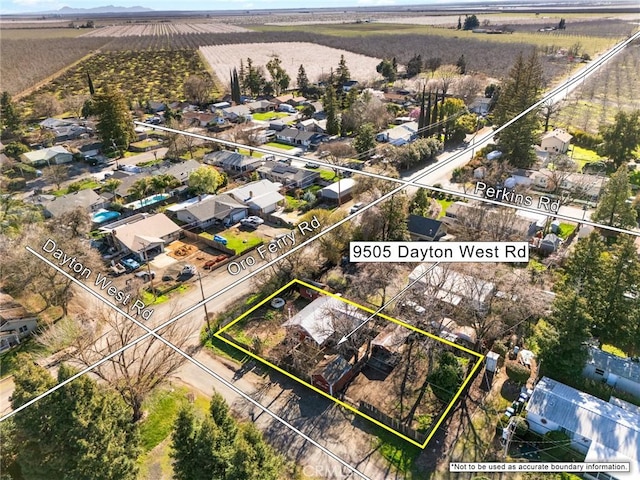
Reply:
x=20, y=6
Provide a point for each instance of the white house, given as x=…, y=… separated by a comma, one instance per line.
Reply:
x=453, y=287
x=47, y=156
x=556, y=141
x=321, y=318
x=86, y=199
x=339, y=191
x=232, y=162
x=604, y=431
x=400, y=135
x=15, y=322
x=261, y=196
x=620, y=373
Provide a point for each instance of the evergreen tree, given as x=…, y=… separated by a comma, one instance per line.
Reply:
x=562, y=24
x=302, y=80
x=470, y=22
x=459, y=23
x=617, y=310
x=622, y=138
x=205, y=180
x=563, y=353
x=521, y=90
x=330, y=104
x=81, y=430
x=583, y=269
x=613, y=208
x=422, y=122
x=461, y=64
x=254, y=81
x=9, y=118
x=115, y=123
x=365, y=139
x=342, y=73
x=434, y=115
x=241, y=73
x=183, y=446
x=387, y=70
x=414, y=66
x=420, y=203
x=219, y=411
x=253, y=458
x=235, y=86
x=92, y=90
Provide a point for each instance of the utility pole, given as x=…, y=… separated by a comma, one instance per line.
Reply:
x=507, y=441
x=206, y=313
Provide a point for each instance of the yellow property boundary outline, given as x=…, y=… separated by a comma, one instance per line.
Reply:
x=340, y=402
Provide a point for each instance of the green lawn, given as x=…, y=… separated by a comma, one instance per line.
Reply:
x=268, y=115
x=245, y=151
x=582, y=156
x=444, y=204
x=237, y=240
x=566, y=229
x=280, y=145
x=401, y=455
x=328, y=175
x=82, y=184
x=143, y=144
x=292, y=203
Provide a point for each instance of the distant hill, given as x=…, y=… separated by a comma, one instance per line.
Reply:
x=96, y=10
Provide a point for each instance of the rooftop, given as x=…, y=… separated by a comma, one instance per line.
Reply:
x=622, y=367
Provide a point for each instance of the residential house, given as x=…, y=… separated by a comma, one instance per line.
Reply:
x=287, y=175
x=261, y=106
x=261, y=197
x=319, y=113
x=232, y=162
x=556, y=141
x=47, y=156
x=423, y=228
x=579, y=185
x=400, y=135
x=339, y=191
x=87, y=200
x=282, y=99
x=387, y=346
x=481, y=106
x=210, y=209
x=620, y=373
x=320, y=319
x=491, y=221
x=293, y=136
x=15, y=322
x=69, y=132
x=348, y=85
x=180, y=171
x=550, y=243
x=201, y=119
x=126, y=181
x=154, y=106
x=297, y=101
x=604, y=431
x=454, y=288
x=332, y=374
x=142, y=234
x=312, y=125
x=219, y=106
x=237, y=113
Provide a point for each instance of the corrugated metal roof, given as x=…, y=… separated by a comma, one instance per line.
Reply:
x=623, y=367
x=610, y=426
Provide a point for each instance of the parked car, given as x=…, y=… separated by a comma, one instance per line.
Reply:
x=251, y=222
x=356, y=207
x=188, y=271
x=146, y=275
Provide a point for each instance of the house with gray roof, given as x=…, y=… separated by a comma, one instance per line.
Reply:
x=47, y=156
x=604, y=431
x=293, y=136
x=288, y=175
x=618, y=372
x=260, y=106
x=232, y=162
x=87, y=200
x=15, y=322
x=261, y=197
x=221, y=208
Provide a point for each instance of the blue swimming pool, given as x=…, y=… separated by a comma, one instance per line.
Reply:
x=102, y=216
x=147, y=201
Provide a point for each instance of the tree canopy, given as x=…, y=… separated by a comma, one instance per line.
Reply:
x=205, y=180
x=115, y=123
x=622, y=138
x=613, y=208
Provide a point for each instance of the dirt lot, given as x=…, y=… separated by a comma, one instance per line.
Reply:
x=194, y=253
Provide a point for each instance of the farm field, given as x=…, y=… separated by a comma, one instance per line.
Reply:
x=25, y=62
x=141, y=76
x=613, y=88
x=590, y=44
x=160, y=29
x=317, y=59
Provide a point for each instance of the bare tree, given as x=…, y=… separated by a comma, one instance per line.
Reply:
x=137, y=370
x=547, y=110
x=338, y=153
x=46, y=105
x=447, y=74
x=75, y=103
x=198, y=88
x=467, y=86
x=58, y=173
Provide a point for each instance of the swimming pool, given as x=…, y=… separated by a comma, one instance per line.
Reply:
x=102, y=216
x=147, y=201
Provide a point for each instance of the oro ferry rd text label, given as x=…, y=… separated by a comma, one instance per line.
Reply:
x=508, y=252
x=79, y=271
